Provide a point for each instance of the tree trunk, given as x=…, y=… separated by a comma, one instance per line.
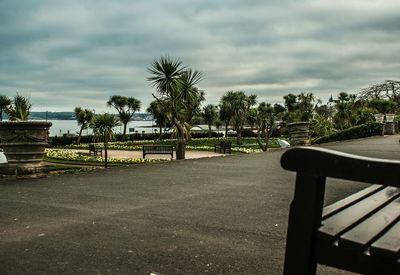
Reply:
x=180, y=148
x=160, y=137
x=239, y=136
x=1, y=114
x=262, y=147
x=180, y=143
x=226, y=128
x=267, y=135
x=105, y=155
x=80, y=135
x=124, y=135
x=209, y=131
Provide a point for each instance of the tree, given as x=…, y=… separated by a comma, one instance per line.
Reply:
x=306, y=106
x=176, y=93
x=238, y=106
x=126, y=108
x=322, y=126
x=382, y=106
x=84, y=118
x=299, y=107
x=389, y=89
x=103, y=130
x=5, y=102
x=265, y=123
x=225, y=112
x=155, y=109
x=210, y=116
x=346, y=107
x=218, y=124
x=19, y=109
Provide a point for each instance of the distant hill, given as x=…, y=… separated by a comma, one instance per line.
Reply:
x=71, y=116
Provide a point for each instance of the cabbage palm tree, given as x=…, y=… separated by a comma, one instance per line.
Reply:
x=265, y=122
x=84, y=118
x=155, y=109
x=238, y=105
x=103, y=129
x=19, y=109
x=210, y=116
x=175, y=85
x=126, y=108
x=4, y=103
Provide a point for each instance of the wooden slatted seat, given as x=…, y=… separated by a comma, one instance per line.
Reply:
x=93, y=149
x=360, y=233
x=223, y=146
x=158, y=149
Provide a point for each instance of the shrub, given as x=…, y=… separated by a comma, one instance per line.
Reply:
x=361, y=131
x=57, y=141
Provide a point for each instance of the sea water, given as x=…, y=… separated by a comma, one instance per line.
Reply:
x=61, y=127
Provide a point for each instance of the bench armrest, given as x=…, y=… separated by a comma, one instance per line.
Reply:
x=329, y=163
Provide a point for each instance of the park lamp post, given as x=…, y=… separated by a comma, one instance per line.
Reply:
x=379, y=118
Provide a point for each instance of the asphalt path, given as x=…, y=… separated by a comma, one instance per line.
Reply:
x=221, y=215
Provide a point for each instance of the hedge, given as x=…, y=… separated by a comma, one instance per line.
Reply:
x=57, y=141
x=365, y=130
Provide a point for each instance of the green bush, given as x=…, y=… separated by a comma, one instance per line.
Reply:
x=57, y=141
x=366, y=130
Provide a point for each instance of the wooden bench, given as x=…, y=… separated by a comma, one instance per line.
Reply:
x=360, y=233
x=158, y=149
x=223, y=147
x=93, y=149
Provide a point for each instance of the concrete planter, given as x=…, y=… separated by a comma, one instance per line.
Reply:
x=299, y=133
x=23, y=144
x=389, y=128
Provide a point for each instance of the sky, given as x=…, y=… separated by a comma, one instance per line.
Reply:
x=63, y=54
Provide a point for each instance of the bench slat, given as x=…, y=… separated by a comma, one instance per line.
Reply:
x=388, y=245
x=349, y=217
x=332, y=209
x=363, y=234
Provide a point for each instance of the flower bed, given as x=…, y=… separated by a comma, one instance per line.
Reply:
x=202, y=144
x=70, y=155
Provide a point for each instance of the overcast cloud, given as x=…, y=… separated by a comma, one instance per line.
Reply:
x=64, y=54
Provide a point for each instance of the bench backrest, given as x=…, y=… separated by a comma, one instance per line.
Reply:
x=158, y=148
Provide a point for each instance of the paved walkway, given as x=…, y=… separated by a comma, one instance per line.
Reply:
x=225, y=215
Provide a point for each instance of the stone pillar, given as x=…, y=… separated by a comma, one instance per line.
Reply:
x=389, y=128
x=299, y=133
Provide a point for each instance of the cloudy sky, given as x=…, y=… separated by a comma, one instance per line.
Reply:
x=71, y=53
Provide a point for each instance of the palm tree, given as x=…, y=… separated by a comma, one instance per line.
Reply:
x=176, y=90
x=191, y=95
x=225, y=112
x=322, y=126
x=238, y=105
x=103, y=130
x=265, y=122
x=126, y=108
x=155, y=109
x=306, y=106
x=218, y=124
x=210, y=116
x=84, y=118
x=19, y=109
x=4, y=103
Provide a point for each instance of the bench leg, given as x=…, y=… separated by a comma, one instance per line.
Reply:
x=304, y=218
